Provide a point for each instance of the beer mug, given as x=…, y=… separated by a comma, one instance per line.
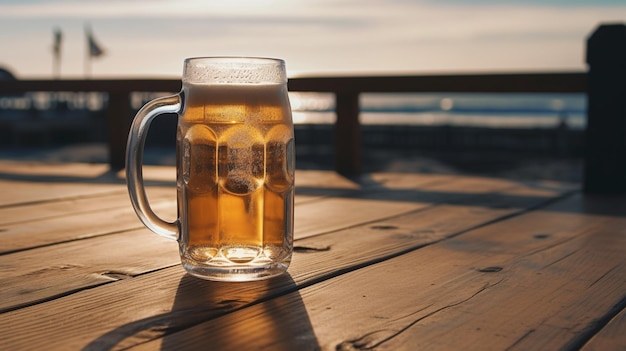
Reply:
x=235, y=168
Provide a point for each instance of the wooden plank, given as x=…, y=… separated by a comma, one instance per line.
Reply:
x=18, y=237
x=388, y=197
x=504, y=286
x=40, y=169
x=17, y=193
x=84, y=205
x=78, y=263
x=36, y=275
x=79, y=172
x=318, y=185
x=434, y=224
x=101, y=217
x=551, y=299
x=103, y=85
x=31, y=182
x=336, y=214
x=370, y=203
x=28, y=182
x=65, y=212
x=59, y=212
x=611, y=337
x=497, y=82
x=128, y=312
x=566, y=82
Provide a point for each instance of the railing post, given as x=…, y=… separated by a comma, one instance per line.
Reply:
x=605, y=144
x=347, y=135
x=118, y=123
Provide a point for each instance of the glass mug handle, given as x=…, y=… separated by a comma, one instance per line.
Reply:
x=134, y=162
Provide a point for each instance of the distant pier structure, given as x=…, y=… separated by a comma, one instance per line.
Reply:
x=44, y=118
x=5, y=74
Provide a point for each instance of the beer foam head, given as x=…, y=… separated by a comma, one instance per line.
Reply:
x=234, y=70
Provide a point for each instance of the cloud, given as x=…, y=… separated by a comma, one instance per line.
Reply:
x=157, y=8
x=144, y=36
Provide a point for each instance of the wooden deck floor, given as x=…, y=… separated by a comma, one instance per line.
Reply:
x=387, y=261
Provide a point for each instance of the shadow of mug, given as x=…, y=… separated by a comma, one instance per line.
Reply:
x=267, y=314
x=221, y=316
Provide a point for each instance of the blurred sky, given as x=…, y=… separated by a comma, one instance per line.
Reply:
x=151, y=38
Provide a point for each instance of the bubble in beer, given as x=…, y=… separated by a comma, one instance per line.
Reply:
x=241, y=165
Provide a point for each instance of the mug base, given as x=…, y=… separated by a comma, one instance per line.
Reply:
x=243, y=273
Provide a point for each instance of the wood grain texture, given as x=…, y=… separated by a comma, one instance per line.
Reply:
x=500, y=287
x=25, y=183
x=381, y=261
x=45, y=273
x=26, y=192
x=74, y=226
x=146, y=306
x=89, y=205
x=612, y=336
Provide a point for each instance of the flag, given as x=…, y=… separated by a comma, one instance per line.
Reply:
x=56, y=46
x=56, y=52
x=94, y=49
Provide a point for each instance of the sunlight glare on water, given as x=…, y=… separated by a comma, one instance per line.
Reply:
x=431, y=109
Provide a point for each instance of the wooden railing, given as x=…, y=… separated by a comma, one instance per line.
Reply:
x=119, y=112
x=604, y=83
x=346, y=90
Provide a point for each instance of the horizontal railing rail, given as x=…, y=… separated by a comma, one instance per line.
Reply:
x=111, y=86
x=564, y=82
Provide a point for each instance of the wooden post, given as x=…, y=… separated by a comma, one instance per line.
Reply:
x=605, y=148
x=347, y=135
x=119, y=120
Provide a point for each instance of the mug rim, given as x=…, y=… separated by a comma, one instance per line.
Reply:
x=234, y=70
x=236, y=59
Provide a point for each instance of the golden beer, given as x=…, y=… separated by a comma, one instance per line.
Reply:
x=236, y=178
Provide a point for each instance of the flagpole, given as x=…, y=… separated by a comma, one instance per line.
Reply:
x=87, y=53
x=87, y=63
x=56, y=66
x=56, y=53
x=93, y=50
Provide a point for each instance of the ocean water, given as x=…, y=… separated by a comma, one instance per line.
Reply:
x=428, y=109
x=432, y=109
